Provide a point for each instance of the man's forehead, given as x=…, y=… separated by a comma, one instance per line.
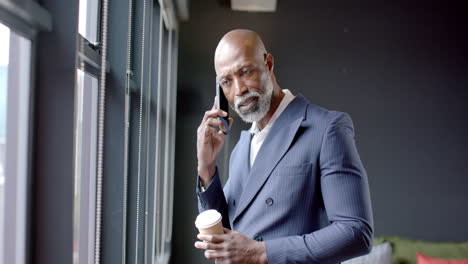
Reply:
x=232, y=64
x=227, y=44
x=229, y=51
x=232, y=59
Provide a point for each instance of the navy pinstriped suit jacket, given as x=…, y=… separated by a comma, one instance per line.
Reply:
x=307, y=193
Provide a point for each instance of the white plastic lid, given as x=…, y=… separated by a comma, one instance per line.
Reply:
x=208, y=218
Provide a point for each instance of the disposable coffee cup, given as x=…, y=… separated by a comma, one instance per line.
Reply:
x=209, y=223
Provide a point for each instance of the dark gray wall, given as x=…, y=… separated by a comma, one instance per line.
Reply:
x=400, y=71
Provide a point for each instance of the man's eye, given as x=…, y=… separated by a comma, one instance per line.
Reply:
x=224, y=83
x=245, y=72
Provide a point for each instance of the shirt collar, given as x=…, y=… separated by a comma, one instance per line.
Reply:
x=288, y=97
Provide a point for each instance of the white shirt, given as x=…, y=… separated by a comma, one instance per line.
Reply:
x=259, y=135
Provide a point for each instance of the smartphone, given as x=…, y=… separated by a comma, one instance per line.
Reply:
x=222, y=103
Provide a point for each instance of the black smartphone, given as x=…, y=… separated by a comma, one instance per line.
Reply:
x=222, y=103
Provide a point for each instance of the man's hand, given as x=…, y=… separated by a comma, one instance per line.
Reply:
x=210, y=142
x=232, y=247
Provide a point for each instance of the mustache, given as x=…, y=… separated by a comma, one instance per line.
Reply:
x=243, y=98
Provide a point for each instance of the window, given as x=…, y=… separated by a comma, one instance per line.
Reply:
x=15, y=66
x=85, y=167
x=86, y=121
x=147, y=131
x=4, y=56
x=88, y=20
x=68, y=154
x=164, y=189
x=151, y=131
x=166, y=171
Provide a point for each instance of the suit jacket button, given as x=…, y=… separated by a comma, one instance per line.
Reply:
x=269, y=201
x=257, y=237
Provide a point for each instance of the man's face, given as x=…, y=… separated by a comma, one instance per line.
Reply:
x=246, y=82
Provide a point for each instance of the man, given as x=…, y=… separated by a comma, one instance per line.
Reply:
x=297, y=191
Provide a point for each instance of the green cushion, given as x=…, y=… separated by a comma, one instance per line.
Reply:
x=404, y=250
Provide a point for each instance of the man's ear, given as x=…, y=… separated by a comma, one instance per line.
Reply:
x=269, y=61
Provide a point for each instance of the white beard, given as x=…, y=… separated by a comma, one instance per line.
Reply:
x=258, y=112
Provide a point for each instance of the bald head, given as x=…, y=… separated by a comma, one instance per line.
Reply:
x=244, y=70
x=240, y=42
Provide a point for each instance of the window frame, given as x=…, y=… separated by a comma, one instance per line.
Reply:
x=165, y=141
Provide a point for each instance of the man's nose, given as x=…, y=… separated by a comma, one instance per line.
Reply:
x=239, y=87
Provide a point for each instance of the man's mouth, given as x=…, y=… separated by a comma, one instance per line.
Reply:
x=248, y=103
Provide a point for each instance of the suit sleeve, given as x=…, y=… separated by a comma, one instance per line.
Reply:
x=346, y=197
x=213, y=198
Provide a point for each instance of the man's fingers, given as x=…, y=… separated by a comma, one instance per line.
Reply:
x=214, y=103
x=213, y=113
x=211, y=238
x=215, y=122
x=208, y=131
x=223, y=128
x=221, y=124
x=215, y=254
x=208, y=246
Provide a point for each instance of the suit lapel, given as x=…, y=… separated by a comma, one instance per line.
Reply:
x=239, y=166
x=272, y=150
x=243, y=164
